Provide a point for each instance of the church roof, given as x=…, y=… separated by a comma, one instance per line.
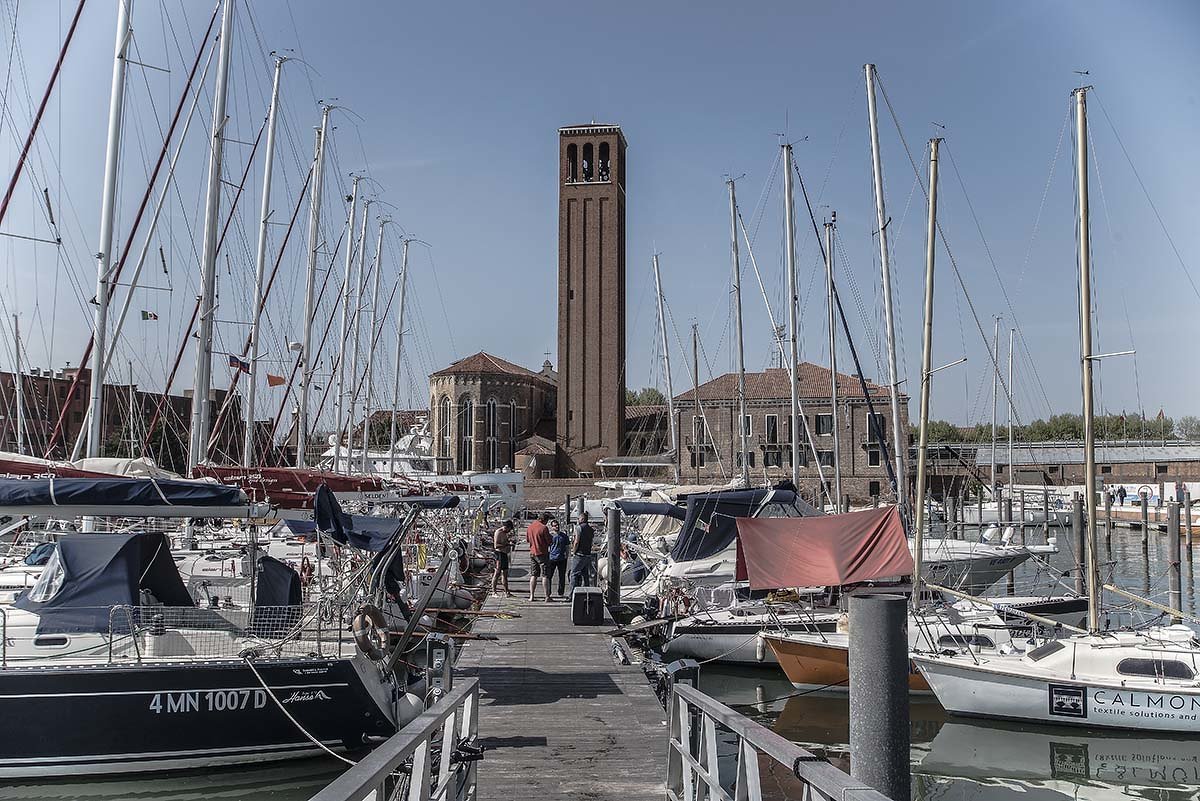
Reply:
x=774, y=383
x=484, y=362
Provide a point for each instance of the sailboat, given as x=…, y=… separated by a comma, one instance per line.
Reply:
x=1144, y=680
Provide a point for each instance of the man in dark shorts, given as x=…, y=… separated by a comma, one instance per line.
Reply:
x=538, y=536
x=502, y=544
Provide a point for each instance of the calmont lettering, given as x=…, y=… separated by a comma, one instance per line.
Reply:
x=1134, y=700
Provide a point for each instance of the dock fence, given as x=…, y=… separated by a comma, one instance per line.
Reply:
x=694, y=766
x=440, y=770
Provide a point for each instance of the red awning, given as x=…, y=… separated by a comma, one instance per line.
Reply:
x=822, y=551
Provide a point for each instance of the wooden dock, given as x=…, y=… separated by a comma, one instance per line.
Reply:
x=558, y=718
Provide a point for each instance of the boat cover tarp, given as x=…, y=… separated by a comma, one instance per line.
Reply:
x=709, y=527
x=364, y=532
x=822, y=551
x=116, y=492
x=102, y=571
x=277, y=597
x=651, y=508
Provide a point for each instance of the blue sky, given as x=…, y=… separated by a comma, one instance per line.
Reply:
x=456, y=107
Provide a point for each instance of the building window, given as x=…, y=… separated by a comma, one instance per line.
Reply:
x=1160, y=469
x=604, y=164
x=697, y=458
x=873, y=489
x=1053, y=468
x=738, y=456
x=772, y=459
x=747, y=426
x=492, y=428
x=876, y=428
x=466, y=433
x=443, y=427
x=772, y=425
x=572, y=163
x=825, y=458
x=700, y=434
x=512, y=434
x=873, y=457
x=824, y=425
x=1106, y=469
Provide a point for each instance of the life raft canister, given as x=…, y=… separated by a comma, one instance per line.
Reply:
x=370, y=632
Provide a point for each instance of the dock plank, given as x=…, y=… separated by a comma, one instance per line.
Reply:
x=557, y=717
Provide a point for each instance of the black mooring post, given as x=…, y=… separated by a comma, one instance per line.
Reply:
x=613, y=589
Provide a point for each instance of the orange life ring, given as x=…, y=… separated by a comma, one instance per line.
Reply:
x=370, y=632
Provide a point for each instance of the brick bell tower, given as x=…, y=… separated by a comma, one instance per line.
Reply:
x=591, y=296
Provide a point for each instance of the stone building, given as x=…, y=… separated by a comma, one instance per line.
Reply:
x=485, y=410
x=591, y=297
x=710, y=444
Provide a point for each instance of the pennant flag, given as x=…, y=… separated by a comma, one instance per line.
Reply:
x=275, y=380
x=238, y=364
x=149, y=315
x=1160, y=414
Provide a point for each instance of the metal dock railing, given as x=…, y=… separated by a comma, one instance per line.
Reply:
x=428, y=760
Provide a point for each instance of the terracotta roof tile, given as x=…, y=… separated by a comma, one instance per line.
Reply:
x=773, y=383
x=484, y=362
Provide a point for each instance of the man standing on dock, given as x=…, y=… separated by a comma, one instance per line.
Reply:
x=583, y=569
x=538, y=536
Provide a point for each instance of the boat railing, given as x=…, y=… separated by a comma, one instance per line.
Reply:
x=3, y=637
x=702, y=765
x=433, y=758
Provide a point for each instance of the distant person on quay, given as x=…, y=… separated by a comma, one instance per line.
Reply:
x=583, y=563
x=560, y=549
x=502, y=544
x=537, y=534
x=1121, y=493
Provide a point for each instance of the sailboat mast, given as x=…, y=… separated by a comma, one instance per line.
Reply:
x=356, y=327
x=108, y=207
x=789, y=222
x=1011, y=336
x=310, y=291
x=699, y=433
x=1085, y=356
x=260, y=269
x=833, y=387
x=19, y=384
x=926, y=371
x=886, y=280
x=201, y=405
x=366, y=418
x=662, y=336
x=339, y=398
x=995, y=396
x=739, y=352
x=399, y=349
x=133, y=438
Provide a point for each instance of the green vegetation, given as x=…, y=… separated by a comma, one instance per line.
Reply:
x=1069, y=427
x=647, y=396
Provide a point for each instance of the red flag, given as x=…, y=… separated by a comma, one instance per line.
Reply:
x=275, y=380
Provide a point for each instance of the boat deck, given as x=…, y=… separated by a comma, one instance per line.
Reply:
x=557, y=718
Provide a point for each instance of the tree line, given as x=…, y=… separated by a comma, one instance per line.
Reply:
x=1069, y=427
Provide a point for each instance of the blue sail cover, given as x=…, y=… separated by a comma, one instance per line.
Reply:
x=651, y=508
x=364, y=532
x=102, y=571
x=710, y=524
x=17, y=492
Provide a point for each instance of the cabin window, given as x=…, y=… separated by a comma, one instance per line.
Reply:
x=572, y=163
x=824, y=425
x=1155, y=669
x=50, y=641
x=50, y=582
x=962, y=641
x=1043, y=651
x=772, y=426
x=604, y=162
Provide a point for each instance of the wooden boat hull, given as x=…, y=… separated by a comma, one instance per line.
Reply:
x=824, y=665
